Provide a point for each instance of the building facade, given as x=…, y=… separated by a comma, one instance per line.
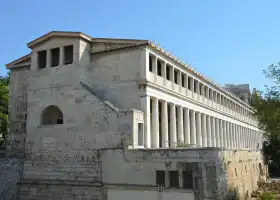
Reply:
x=242, y=91
x=99, y=118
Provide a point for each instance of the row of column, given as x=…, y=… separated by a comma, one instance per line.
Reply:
x=61, y=57
x=195, y=86
x=170, y=125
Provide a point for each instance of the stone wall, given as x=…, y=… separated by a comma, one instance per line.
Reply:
x=10, y=177
x=244, y=168
x=17, y=109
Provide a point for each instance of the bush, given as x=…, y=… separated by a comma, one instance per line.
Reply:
x=267, y=196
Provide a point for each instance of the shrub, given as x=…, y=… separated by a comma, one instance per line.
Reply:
x=267, y=196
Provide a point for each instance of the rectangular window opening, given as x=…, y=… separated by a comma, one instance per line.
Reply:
x=168, y=69
x=140, y=134
x=42, y=59
x=176, y=76
x=68, y=54
x=159, y=66
x=189, y=83
x=160, y=178
x=200, y=88
x=183, y=80
x=187, y=179
x=55, y=57
x=150, y=63
x=195, y=86
x=174, y=179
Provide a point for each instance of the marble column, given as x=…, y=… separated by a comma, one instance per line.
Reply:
x=61, y=56
x=204, y=135
x=231, y=135
x=187, y=126
x=192, y=86
x=145, y=102
x=235, y=136
x=213, y=132
x=256, y=139
x=163, y=68
x=227, y=134
x=193, y=127
x=173, y=130
x=155, y=123
x=221, y=133
x=239, y=137
x=198, y=129
x=48, y=63
x=198, y=90
x=180, y=125
x=208, y=128
x=251, y=138
x=243, y=137
x=218, y=135
x=164, y=124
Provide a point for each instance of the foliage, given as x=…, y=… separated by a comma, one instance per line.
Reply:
x=4, y=93
x=267, y=111
x=267, y=104
x=268, y=196
x=182, y=144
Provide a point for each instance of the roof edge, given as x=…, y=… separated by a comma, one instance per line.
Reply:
x=58, y=33
x=23, y=58
x=179, y=61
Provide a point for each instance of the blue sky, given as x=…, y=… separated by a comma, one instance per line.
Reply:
x=228, y=41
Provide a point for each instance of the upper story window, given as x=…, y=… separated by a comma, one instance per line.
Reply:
x=168, y=72
x=151, y=63
x=42, y=59
x=200, y=88
x=55, y=57
x=195, y=86
x=183, y=80
x=176, y=76
x=68, y=54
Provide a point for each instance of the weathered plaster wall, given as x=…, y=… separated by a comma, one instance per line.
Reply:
x=116, y=74
x=243, y=169
x=138, y=194
x=18, y=87
x=60, y=192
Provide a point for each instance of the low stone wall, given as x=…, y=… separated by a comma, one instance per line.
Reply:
x=10, y=176
x=244, y=169
x=269, y=185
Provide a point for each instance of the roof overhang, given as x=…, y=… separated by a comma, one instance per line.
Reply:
x=52, y=34
x=19, y=60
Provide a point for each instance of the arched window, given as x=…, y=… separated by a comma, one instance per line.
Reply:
x=52, y=115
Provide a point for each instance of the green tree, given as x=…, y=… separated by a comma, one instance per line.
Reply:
x=4, y=93
x=267, y=111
